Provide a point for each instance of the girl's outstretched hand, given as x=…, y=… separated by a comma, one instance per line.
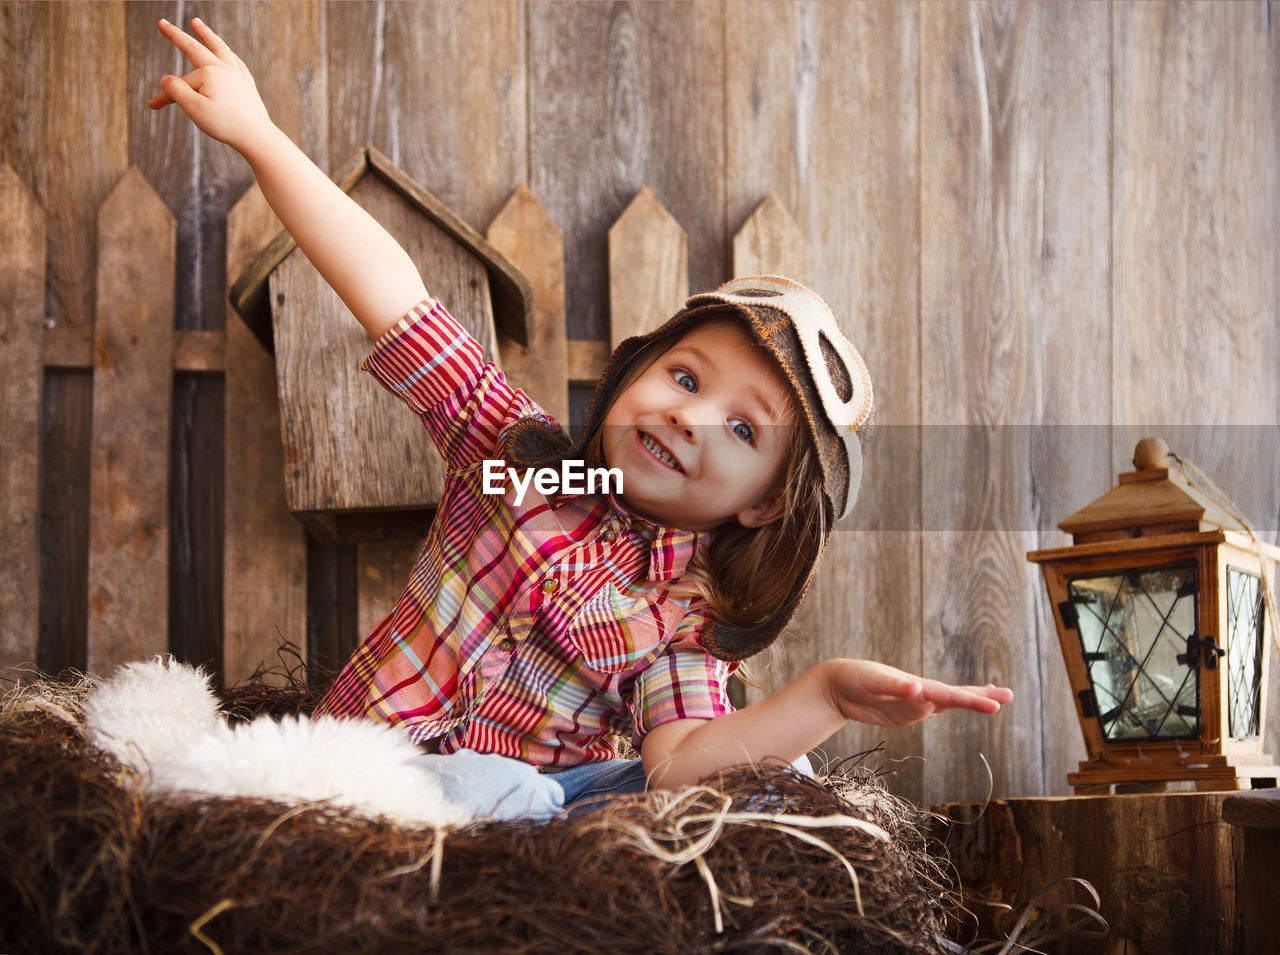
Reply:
x=882, y=695
x=219, y=95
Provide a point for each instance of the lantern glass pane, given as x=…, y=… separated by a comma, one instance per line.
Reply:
x=1133, y=625
x=1244, y=652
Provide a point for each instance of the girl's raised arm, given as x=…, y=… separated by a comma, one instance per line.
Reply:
x=368, y=269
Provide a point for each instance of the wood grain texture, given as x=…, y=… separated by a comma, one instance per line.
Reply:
x=22, y=276
x=133, y=375
x=64, y=519
x=648, y=268
x=770, y=243
x=1013, y=279
x=1197, y=266
x=821, y=107
x=71, y=156
x=438, y=87
x=195, y=520
x=348, y=443
x=1165, y=866
x=586, y=361
x=526, y=234
x=1257, y=814
x=265, y=555
x=623, y=96
x=383, y=574
x=332, y=612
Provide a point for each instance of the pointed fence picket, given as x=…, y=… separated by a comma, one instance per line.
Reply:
x=22, y=278
x=770, y=243
x=526, y=234
x=132, y=407
x=648, y=267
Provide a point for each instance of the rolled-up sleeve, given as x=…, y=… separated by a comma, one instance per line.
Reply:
x=437, y=368
x=684, y=682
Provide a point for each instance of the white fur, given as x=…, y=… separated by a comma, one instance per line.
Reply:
x=148, y=708
x=161, y=718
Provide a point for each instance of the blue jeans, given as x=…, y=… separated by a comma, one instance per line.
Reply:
x=499, y=787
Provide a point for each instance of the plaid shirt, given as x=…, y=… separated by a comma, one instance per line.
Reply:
x=540, y=631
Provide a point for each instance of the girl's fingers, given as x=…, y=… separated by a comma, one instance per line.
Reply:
x=1001, y=694
x=214, y=42
x=193, y=49
x=968, y=697
x=181, y=93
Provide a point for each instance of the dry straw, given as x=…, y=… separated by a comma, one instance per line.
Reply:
x=759, y=861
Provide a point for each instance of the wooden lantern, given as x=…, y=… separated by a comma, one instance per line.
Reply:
x=357, y=465
x=1160, y=613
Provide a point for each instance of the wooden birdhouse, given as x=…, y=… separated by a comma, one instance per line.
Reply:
x=358, y=464
x=1160, y=611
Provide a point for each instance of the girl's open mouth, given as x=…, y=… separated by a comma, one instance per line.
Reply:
x=658, y=452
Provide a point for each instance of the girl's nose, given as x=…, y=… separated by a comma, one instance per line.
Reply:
x=684, y=417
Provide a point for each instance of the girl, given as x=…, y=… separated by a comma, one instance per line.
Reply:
x=531, y=634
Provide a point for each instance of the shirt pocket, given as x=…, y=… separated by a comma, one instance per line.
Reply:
x=615, y=632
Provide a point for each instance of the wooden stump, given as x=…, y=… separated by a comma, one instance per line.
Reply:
x=1165, y=866
x=1257, y=815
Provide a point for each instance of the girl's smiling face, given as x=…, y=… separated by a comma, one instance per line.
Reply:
x=701, y=435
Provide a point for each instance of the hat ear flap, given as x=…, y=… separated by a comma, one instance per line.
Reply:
x=532, y=443
x=839, y=373
x=729, y=643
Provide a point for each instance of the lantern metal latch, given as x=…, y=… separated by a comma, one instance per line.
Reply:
x=1195, y=647
x=1088, y=704
x=1067, y=611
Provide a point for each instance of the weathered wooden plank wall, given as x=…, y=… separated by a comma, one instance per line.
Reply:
x=1013, y=271
x=1027, y=215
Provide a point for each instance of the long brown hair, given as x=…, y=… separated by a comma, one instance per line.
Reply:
x=748, y=573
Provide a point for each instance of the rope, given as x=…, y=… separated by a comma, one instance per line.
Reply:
x=1204, y=484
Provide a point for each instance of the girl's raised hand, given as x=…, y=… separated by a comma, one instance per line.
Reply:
x=219, y=95
x=886, y=696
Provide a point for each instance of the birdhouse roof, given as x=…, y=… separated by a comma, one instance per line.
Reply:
x=511, y=292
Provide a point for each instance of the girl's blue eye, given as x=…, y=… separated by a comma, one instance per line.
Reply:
x=686, y=381
x=744, y=431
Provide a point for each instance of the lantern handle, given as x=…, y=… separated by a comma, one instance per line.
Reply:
x=1196, y=477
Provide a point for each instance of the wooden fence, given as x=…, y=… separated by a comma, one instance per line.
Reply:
x=136, y=353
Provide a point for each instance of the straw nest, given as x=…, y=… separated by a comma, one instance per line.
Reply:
x=87, y=864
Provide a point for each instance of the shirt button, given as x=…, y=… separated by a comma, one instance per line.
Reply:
x=549, y=585
x=508, y=644
x=608, y=535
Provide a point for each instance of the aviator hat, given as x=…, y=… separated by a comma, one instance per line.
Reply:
x=825, y=373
